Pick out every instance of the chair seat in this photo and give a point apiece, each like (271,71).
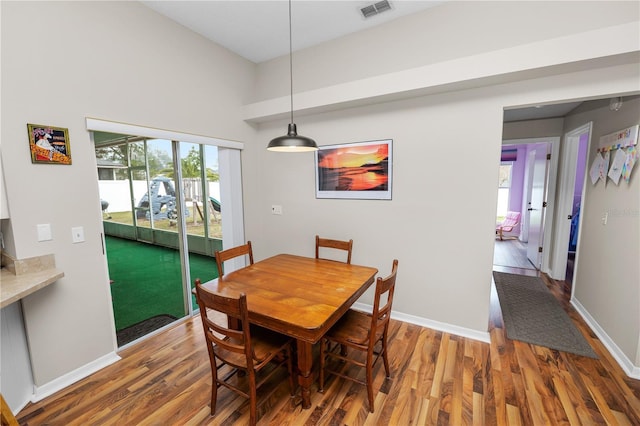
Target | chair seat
(264,343)
(352,328)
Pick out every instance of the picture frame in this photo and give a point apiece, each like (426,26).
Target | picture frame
(49,144)
(359,170)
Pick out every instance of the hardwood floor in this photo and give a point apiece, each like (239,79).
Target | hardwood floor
(511,253)
(437,379)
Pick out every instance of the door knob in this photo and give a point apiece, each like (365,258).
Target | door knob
(569,217)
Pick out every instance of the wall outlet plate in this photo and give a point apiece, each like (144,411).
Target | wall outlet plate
(77,234)
(44,232)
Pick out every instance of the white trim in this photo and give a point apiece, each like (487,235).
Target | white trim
(565,200)
(41,392)
(633,371)
(434,325)
(97,124)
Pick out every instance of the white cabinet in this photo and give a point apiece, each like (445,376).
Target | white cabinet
(4,207)
(15,366)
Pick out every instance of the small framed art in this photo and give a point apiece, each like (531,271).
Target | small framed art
(360,170)
(48,144)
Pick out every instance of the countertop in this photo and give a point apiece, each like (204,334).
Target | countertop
(15,287)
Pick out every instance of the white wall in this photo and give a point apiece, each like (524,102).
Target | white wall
(450,31)
(62,62)
(607,277)
(440,223)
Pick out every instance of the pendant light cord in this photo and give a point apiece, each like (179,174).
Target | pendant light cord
(290,62)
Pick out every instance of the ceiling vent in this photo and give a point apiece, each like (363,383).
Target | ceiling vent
(375,8)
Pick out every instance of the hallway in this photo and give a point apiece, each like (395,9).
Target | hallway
(511,256)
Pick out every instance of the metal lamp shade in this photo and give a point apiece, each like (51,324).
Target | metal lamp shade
(292,142)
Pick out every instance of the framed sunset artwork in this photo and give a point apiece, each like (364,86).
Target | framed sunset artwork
(361,170)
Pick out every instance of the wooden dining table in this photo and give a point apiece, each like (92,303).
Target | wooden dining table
(297,296)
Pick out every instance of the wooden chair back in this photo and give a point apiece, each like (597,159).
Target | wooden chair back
(382,303)
(224,255)
(334,244)
(229,343)
(245,349)
(361,332)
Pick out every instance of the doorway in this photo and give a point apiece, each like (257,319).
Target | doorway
(533,163)
(570,202)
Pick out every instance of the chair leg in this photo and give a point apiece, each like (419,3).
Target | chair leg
(214,393)
(253,403)
(385,359)
(370,380)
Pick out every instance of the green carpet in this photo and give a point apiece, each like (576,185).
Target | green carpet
(146,280)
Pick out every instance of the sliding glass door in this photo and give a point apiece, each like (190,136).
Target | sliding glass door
(162,225)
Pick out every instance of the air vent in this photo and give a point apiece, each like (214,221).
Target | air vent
(376,8)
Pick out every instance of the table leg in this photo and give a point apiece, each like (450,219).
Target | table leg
(305,378)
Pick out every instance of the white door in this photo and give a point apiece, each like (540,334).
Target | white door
(536,208)
(565,200)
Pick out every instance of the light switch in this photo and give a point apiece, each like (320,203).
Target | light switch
(44,232)
(77,234)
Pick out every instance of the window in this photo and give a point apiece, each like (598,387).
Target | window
(504,186)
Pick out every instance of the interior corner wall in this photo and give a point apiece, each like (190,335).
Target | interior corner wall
(116,61)
(441,214)
(607,278)
(440,223)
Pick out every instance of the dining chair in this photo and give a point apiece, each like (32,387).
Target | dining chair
(224,255)
(245,352)
(359,331)
(334,244)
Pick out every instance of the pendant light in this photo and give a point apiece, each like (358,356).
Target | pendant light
(292,141)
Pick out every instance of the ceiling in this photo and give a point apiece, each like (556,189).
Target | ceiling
(540,112)
(259,31)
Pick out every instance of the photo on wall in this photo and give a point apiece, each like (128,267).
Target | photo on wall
(49,144)
(360,170)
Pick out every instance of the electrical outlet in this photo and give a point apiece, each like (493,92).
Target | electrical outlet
(275,209)
(605,218)
(44,232)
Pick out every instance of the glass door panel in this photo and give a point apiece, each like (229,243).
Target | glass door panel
(145,265)
(114,184)
(196,179)
(153,254)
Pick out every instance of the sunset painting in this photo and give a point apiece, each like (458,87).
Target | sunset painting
(358,170)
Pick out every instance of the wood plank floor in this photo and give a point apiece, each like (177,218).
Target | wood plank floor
(437,379)
(511,253)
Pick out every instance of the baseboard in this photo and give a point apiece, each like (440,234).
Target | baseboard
(627,365)
(41,392)
(435,325)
